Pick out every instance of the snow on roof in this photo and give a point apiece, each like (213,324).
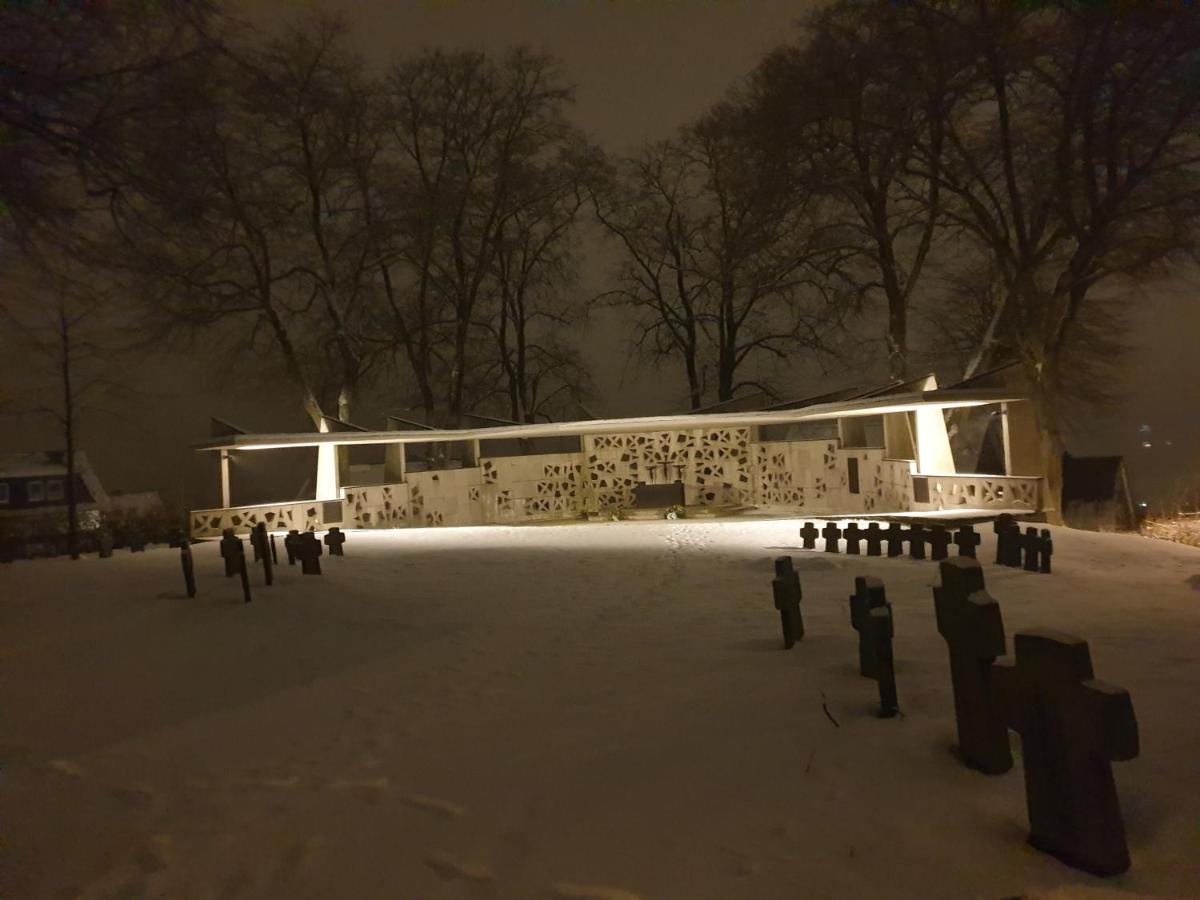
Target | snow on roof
(33,464)
(868,406)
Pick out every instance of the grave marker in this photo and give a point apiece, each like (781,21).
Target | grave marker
(970,622)
(308,551)
(916,540)
(786,588)
(189,568)
(334,541)
(242,570)
(1000,525)
(966,539)
(939,543)
(874,539)
(231,549)
(1047,551)
(262,550)
(881,636)
(1072,727)
(1031,545)
(808,536)
(290,544)
(853,535)
(868,594)
(896,536)
(831,533)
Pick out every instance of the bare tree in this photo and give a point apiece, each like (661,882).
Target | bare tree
(467,131)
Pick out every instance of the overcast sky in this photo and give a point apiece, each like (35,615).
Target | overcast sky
(641,69)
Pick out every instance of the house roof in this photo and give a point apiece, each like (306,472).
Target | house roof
(863,406)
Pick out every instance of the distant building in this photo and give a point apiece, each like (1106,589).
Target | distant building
(33,494)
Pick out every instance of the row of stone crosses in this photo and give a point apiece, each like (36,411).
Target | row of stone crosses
(1031,550)
(300,546)
(1072,725)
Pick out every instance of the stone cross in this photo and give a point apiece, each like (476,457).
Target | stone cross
(967,540)
(874,539)
(853,535)
(1031,545)
(939,543)
(885,669)
(868,594)
(263,552)
(274,552)
(256,542)
(831,533)
(291,546)
(334,540)
(896,535)
(1072,727)
(308,551)
(808,536)
(916,541)
(189,568)
(1000,526)
(106,543)
(786,587)
(1047,551)
(970,622)
(241,564)
(231,549)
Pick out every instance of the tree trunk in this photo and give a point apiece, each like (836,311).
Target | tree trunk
(1045,411)
(69,437)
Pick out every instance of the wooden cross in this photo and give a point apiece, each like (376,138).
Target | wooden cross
(869,594)
(808,536)
(831,533)
(1031,545)
(881,633)
(262,552)
(939,542)
(1072,727)
(966,539)
(291,545)
(1000,526)
(786,588)
(334,540)
(1047,551)
(969,620)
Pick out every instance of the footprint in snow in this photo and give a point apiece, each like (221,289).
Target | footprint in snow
(451,868)
(432,804)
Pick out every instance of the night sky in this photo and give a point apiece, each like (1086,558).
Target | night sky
(641,69)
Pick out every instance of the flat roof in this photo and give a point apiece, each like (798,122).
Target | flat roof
(869,406)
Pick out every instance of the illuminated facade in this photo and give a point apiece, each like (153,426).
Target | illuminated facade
(885,452)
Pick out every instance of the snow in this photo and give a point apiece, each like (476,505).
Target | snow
(594,711)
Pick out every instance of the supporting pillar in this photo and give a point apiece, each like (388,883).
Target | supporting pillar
(225,502)
(327,469)
(1006,439)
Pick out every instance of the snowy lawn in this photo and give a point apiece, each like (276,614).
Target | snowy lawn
(579,711)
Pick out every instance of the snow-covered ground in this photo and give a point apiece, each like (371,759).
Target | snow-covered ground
(580,711)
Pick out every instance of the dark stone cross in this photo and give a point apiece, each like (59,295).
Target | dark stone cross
(334,540)
(967,540)
(245,577)
(274,552)
(885,669)
(868,594)
(831,533)
(970,622)
(290,545)
(1047,551)
(189,568)
(896,536)
(1000,526)
(231,550)
(106,543)
(916,541)
(262,548)
(256,542)
(853,535)
(808,536)
(1072,727)
(939,543)
(786,587)
(874,539)
(308,551)
(1031,546)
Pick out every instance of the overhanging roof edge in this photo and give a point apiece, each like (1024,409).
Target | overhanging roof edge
(943,399)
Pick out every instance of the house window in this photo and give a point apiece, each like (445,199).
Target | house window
(852,471)
(35,491)
(54,490)
(4,492)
